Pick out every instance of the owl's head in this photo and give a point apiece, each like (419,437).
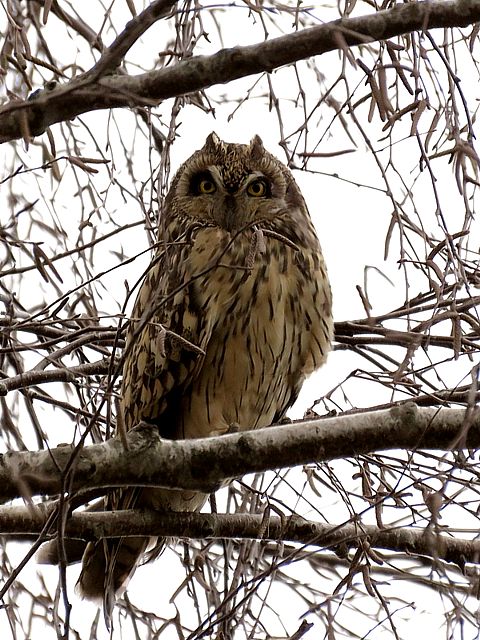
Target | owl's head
(233,186)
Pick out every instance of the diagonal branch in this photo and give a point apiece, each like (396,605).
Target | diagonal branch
(87,93)
(113,56)
(204,464)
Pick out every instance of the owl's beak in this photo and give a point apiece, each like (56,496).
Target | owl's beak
(230,215)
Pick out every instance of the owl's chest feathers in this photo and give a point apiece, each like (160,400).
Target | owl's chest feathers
(259,307)
(241,275)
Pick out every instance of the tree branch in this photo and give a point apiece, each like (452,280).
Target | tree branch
(61,374)
(26,521)
(88,93)
(112,57)
(204,464)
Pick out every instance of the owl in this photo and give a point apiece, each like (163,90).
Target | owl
(234,313)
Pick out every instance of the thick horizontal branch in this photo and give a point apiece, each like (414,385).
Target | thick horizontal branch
(88,92)
(203,464)
(21,521)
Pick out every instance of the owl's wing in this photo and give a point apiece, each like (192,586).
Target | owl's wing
(165,343)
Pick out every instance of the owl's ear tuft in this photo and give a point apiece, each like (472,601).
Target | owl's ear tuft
(212,142)
(256,148)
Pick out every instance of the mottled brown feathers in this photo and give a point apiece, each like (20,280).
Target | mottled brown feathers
(233,314)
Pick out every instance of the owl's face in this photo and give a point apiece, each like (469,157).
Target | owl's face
(233,186)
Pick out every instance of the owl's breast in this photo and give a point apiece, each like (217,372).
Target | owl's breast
(268,311)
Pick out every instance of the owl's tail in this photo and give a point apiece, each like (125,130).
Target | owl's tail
(107,566)
(108,563)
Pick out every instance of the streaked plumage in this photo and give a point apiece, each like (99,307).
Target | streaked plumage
(233,314)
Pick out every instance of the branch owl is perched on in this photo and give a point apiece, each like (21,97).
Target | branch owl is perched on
(234,313)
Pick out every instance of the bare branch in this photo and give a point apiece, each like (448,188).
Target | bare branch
(86,93)
(21,521)
(62,374)
(112,57)
(204,464)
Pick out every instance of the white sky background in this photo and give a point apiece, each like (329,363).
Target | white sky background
(351,222)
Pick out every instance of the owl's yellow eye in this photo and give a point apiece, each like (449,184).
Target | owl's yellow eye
(257,188)
(203,184)
(206,186)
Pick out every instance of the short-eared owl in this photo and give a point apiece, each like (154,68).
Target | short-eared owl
(233,314)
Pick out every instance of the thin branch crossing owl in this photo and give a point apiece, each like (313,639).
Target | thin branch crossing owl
(233,314)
